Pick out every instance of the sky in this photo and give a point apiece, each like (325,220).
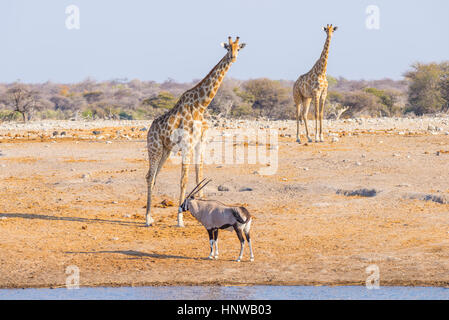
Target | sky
(180,40)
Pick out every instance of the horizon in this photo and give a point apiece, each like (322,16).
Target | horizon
(193,81)
(155,42)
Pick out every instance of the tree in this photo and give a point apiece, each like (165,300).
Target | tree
(360,102)
(225,99)
(93,96)
(444,85)
(335,110)
(424,93)
(388,99)
(61,102)
(270,98)
(164,100)
(331,81)
(20,98)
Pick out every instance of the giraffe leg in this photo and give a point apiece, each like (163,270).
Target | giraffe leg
(305,111)
(164,158)
(155,154)
(150,184)
(322,103)
(298,116)
(184,179)
(199,158)
(317,115)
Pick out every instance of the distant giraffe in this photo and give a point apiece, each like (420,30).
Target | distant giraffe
(313,86)
(186,117)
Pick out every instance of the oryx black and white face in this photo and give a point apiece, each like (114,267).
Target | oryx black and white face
(184,206)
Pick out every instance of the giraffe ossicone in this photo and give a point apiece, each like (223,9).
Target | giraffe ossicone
(188,117)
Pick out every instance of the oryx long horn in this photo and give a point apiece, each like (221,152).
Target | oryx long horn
(202,187)
(196,187)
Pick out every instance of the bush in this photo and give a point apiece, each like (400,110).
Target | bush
(270,97)
(87,114)
(426,90)
(52,114)
(164,100)
(125,116)
(361,103)
(8,115)
(425,94)
(93,96)
(388,99)
(242,110)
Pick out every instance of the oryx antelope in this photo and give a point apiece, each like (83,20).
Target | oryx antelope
(215,215)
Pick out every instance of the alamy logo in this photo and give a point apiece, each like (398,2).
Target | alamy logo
(73,279)
(372,21)
(72,22)
(239,146)
(372,282)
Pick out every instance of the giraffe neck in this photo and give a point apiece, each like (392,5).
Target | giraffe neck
(205,91)
(320,66)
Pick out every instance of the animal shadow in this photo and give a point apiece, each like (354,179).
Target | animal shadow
(139,254)
(33,216)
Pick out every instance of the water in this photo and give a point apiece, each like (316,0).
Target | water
(228,293)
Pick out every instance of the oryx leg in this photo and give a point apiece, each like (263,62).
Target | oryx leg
(216,243)
(242,241)
(211,242)
(248,238)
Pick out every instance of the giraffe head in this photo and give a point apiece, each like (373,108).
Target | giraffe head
(233,47)
(330,29)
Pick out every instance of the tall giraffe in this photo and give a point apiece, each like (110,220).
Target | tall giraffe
(185,125)
(313,86)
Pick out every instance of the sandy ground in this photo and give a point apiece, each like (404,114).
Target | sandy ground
(376,192)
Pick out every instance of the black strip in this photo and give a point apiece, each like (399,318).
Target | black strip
(227,309)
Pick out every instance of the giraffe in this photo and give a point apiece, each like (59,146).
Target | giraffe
(185,125)
(313,86)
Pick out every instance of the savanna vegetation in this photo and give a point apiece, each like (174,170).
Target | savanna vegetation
(424,90)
